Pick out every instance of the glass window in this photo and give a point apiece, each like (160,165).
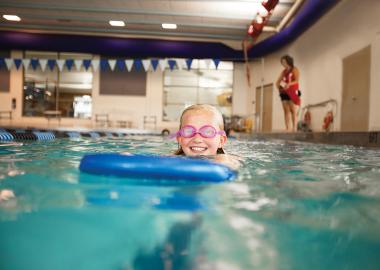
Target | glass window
(201,84)
(57,90)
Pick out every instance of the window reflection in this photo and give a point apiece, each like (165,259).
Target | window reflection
(55,90)
(201,84)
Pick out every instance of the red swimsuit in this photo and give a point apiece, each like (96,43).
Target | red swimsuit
(292,91)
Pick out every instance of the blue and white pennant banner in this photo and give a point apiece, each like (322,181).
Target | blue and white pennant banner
(104,64)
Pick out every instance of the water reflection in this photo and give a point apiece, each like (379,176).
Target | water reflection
(8,166)
(7,199)
(175,252)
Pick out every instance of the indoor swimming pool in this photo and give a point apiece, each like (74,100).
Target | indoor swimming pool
(292,206)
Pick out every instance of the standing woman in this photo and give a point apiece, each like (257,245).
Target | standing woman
(288,86)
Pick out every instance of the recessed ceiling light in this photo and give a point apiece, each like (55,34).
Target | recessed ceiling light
(169,26)
(117,23)
(12,18)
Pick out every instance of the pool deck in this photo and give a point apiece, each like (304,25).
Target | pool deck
(364,139)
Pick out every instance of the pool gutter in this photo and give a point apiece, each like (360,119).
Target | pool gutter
(364,139)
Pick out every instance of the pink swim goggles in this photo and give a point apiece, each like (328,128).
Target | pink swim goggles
(206,131)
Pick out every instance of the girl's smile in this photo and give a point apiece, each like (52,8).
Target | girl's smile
(198,144)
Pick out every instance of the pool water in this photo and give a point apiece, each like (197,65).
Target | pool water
(292,206)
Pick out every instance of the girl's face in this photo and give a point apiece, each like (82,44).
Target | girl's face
(284,63)
(197,145)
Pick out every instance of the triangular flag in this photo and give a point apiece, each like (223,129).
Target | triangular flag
(112,63)
(188,63)
(154,63)
(9,63)
(95,64)
(146,64)
(26,63)
(34,63)
(60,64)
(162,63)
(51,63)
(172,64)
(86,63)
(104,64)
(138,64)
(43,63)
(18,63)
(120,64)
(216,63)
(78,64)
(181,63)
(69,64)
(129,64)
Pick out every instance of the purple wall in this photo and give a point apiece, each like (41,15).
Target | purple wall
(310,12)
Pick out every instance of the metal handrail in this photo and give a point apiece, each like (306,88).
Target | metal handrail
(320,104)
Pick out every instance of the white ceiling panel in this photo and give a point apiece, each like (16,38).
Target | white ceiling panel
(208,19)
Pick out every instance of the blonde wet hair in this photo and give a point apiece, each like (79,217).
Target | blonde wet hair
(202,108)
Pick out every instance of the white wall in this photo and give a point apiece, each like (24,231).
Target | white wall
(267,72)
(374,109)
(133,108)
(240,91)
(263,71)
(319,52)
(347,28)
(118,107)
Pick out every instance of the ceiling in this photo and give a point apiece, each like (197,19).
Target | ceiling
(217,20)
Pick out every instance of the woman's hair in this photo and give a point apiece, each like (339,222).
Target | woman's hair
(201,108)
(289,60)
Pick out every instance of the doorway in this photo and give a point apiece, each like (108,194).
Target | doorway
(264,99)
(355,94)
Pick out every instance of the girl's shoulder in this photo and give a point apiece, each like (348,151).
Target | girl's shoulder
(232,161)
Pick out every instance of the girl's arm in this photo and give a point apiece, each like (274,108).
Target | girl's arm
(230,161)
